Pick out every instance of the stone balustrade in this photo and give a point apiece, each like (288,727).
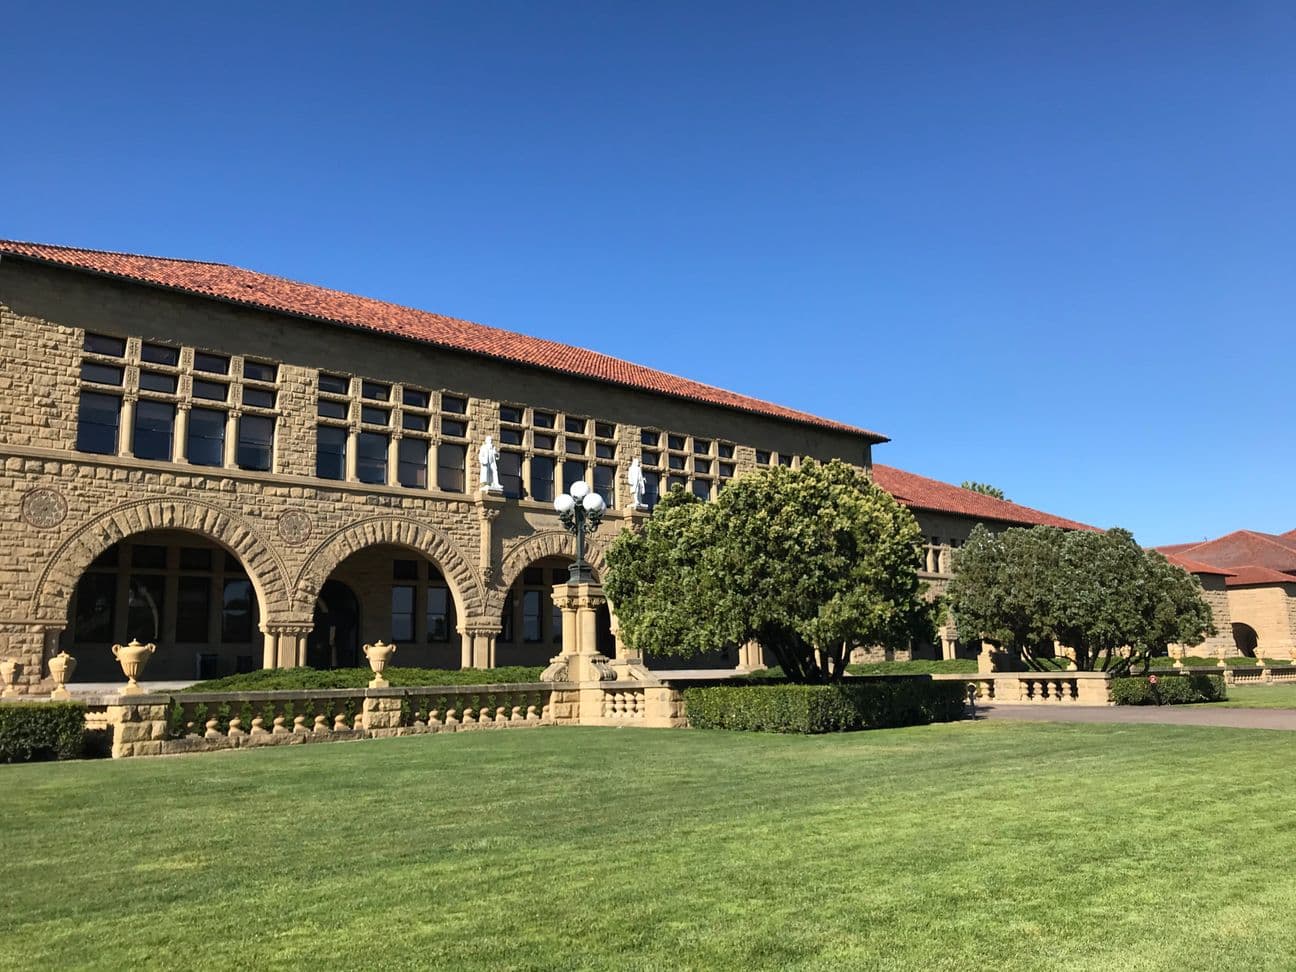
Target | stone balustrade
(1030,688)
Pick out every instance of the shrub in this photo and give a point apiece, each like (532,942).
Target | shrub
(41,730)
(918,666)
(1168,690)
(876,704)
(272,679)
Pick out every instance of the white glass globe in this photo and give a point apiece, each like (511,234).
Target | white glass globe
(579,489)
(564,504)
(593,503)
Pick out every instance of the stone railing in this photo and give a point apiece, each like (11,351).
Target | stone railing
(1259,675)
(1031,688)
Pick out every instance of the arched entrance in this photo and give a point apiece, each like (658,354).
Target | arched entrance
(335,640)
(530,624)
(1245,639)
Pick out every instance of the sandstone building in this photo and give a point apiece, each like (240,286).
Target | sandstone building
(252,472)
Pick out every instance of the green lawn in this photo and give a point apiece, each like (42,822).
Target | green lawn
(964,846)
(1280,696)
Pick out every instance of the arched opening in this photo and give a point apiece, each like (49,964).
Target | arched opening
(179,590)
(1245,639)
(530,624)
(389,592)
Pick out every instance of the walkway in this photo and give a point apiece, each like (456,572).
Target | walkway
(1167,715)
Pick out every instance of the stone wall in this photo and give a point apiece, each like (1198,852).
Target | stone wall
(1271,611)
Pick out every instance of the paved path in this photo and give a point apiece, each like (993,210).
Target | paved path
(1168,715)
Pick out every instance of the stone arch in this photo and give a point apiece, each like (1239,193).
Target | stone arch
(398,531)
(549,543)
(63,571)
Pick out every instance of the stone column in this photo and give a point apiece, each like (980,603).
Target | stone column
(751,656)
(285,644)
(579,660)
(231,438)
(126,436)
(181,441)
(479,644)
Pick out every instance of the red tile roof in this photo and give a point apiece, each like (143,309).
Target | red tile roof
(922,493)
(252,289)
(1243,548)
(1254,574)
(1193,566)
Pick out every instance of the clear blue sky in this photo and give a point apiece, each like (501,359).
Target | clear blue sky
(1051,246)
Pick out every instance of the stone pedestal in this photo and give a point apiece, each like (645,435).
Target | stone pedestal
(579,660)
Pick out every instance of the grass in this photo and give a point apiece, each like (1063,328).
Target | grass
(944,848)
(1281,696)
(917,667)
(1237,661)
(267,679)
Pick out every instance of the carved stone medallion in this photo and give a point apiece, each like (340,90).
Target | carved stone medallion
(295,528)
(44,508)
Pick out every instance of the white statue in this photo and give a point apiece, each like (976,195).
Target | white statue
(488,459)
(638,485)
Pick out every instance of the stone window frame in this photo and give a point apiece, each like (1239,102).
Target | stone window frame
(424,581)
(597,432)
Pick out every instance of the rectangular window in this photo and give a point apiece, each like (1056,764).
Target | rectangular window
(604,483)
(450,467)
(160,354)
(158,382)
(330,452)
(193,610)
(506,621)
(510,474)
(511,414)
(405,569)
(375,391)
(258,397)
(102,344)
(334,384)
(371,458)
(605,430)
(675,442)
(412,463)
(214,364)
(260,371)
(402,613)
(255,442)
(510,436)
(331,409)
(206,445)
(542,479)
(454,427)
(726,450)
(195,558)
(573,472)
(676,482)
(154,422)
(702,489)
(651,458)
(101,374)
(702,447)
(784,460)
(96,608)
(148,556)
(415,398)
(604,450)
(98,418)
(650,438)
(438,614)
(575,447)
(575,425)
(145,607)
(762,458)
(555,623)
(414,423)
(455,404)
(371,415)
(213,391)
(652,488)
(542,440)
(677,462)
(543,420)
(531,618)
(237,610)
(702,466)
(726,470)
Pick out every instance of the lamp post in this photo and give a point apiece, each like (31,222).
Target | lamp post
(581,511)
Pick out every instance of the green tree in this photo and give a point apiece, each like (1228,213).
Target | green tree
(985,488)
(810,563)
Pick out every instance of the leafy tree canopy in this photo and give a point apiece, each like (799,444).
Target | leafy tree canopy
(985,488)
(809,562)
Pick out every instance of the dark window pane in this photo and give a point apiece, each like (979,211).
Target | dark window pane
(605,430)
(506,621)
(160,354)
(726,450)
(575,447)
(96,608)
(542,479)
(454,427)
(652,489)
(726,469)
(411,462)
(331,409)
(533,576)
(101,374)
(510,474)
(510,413)
(415,398)
(97,419)
(560,575)
(158,382)
(573,472)
(555,623)
(193,610)
(259,371)
(402,613)
(238,611)
(375,416)
(148,556)
(375,391)
(510,436)
(215,364)
(102,344)
(531,603)
(258,397)
(109,558)
(651,458)
(153,424)
(762,458)
(438,614)
(543,420)
(576,425)
(195,558)
(371,457)
(604,478)
(455,404)
(334,384)
(785,460)
(702,488)
(206,445)
(604,450)
(233,565)
(649,438)
(702,466)
(330,452)
(450,467)
(405,569)
(677,462)
(675,441)
(213,391)
(702,447)
(676,482)
(542,440)
(145,607)
(255,442)
(415,423)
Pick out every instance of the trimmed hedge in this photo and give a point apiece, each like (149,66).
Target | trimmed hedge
(273,679)
(1168,690)
(876,704)
(41,730)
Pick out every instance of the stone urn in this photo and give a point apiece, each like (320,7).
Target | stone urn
(9,676)
(378,656)
(61,667)
(133,658)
